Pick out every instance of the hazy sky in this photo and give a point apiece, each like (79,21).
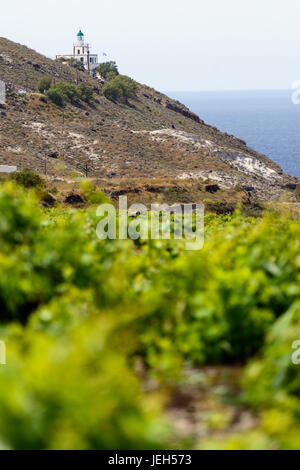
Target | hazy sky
(171,44)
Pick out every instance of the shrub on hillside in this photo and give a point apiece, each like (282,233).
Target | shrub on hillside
(91,194)
(62,93)
(108,70)
(44,84)
(120,88)
(28,178)
(110,76)
(69,91)
(56,96)
(86,92)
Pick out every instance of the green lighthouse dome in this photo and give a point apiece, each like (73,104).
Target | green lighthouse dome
(80,34)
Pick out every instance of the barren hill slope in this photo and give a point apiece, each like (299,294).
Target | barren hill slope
(154,137)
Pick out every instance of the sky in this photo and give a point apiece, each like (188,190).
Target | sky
(171,45)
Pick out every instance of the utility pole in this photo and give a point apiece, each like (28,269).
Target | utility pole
(88,56)
(86,169)
(45,165)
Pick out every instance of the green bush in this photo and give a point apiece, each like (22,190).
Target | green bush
(108,70)
(272,384)
(69,339)
(62,93)
(120,88)
(209,306)
(44,84)
(90,193)
(110,76)
(73,391)
(86,92)
(217,304)
(28,178)
(69,91)
(20,219)
(92,308)
(56,96)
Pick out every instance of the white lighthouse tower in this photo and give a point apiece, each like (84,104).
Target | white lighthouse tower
(80,47)
(81,52)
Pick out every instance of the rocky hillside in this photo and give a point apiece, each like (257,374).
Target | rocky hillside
(153,137)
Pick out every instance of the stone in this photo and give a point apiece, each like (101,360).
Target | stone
(73,198)
(212,188)
(53,154)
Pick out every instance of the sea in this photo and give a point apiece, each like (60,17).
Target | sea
(266,119)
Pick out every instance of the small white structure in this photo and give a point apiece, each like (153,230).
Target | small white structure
(7,169)
(81,52)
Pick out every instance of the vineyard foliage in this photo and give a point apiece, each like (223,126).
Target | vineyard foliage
(77,313)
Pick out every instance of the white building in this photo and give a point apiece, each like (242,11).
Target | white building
(81,52)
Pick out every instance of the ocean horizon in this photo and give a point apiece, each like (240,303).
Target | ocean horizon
(267,120)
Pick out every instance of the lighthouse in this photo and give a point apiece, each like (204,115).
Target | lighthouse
(81,53)
(80,48)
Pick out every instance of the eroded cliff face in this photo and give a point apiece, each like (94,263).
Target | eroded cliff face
(154,137)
